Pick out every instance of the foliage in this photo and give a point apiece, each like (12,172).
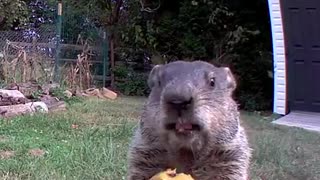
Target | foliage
(255,86)
(41,12)
(220,32)
(77,20)
(59,92)
(201,30)
(21,14)
(13,14)
(133,83)
(225,33)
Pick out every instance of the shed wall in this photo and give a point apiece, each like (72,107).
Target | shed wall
(279,59)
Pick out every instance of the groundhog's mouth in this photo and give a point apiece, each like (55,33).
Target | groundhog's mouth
(182,127)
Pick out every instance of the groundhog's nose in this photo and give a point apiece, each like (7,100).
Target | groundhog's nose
(180,103)
(178,96)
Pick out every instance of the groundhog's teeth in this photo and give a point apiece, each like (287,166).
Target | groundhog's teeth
(182,127)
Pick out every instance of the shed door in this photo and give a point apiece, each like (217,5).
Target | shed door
(301,21)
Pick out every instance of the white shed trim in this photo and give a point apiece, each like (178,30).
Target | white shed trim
(279,58)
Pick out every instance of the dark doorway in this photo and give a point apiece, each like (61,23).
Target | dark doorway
(301,21)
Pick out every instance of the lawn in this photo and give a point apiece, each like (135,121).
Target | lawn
(90,141)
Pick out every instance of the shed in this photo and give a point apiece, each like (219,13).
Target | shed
(296,55)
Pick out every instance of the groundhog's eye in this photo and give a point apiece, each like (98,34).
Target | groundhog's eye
(212,81)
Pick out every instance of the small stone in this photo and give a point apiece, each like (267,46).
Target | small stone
(68,93)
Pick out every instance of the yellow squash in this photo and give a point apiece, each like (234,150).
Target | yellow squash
(171,175)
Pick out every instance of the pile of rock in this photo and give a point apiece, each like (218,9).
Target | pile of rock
(29,98)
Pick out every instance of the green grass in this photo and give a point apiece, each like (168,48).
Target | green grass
(97,148)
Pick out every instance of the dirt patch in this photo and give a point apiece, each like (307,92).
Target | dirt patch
(37,152)
(6,154)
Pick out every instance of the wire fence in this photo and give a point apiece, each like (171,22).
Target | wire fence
(26,54)
(56,51)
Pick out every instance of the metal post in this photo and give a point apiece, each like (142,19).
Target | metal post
(58,37)
(105,57)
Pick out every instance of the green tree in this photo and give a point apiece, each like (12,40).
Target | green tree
(13,14)
(221,32)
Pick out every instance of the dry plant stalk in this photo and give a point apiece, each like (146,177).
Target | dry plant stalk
(79,75)
(23,67)
(9,66)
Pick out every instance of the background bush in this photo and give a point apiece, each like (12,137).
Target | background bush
(225,33)
(148,32)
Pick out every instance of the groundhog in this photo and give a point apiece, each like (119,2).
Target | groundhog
(190,122)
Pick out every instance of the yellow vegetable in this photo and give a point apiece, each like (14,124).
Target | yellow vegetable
(171,175)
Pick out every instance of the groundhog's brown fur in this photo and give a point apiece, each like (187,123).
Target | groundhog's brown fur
(185,93)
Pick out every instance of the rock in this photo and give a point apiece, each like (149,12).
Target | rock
(93,92)
(48,88)
(78,93)
(104,93)
(12,97)
(23,109)
(59,106)
(11,93)
(38,107)
(109,94)
(68,93)
(53,103)
(27,89)
(48,99)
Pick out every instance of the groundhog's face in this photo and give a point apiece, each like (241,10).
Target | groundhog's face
(195,108)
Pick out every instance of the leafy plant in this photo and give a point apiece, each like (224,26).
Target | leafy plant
(132,83)
(221,32)
(13,14)
(142,33)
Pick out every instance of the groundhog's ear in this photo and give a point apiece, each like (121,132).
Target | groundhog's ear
(230,81)
(154,76)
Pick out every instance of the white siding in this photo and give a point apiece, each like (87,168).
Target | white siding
(279,61)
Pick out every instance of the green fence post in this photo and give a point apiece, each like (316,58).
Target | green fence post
(58,36)
(105,57)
